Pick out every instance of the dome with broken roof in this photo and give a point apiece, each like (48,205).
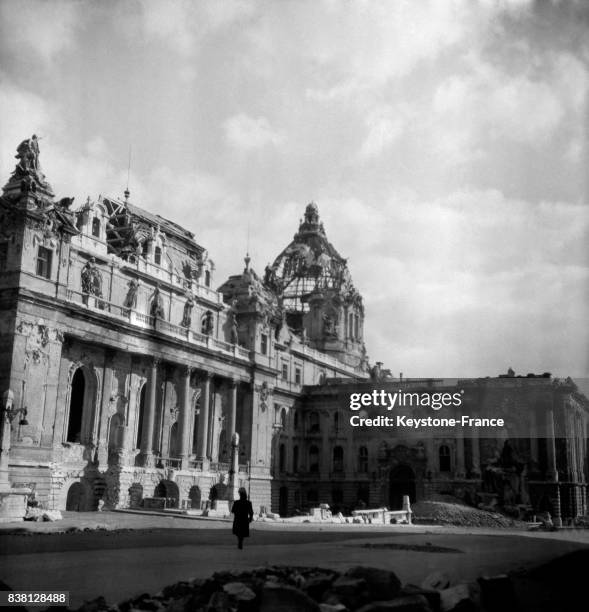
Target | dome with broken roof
(310,263)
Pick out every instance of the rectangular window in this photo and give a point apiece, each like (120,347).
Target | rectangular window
(284,371)
(264,344)
(3,256)
(298,377)
(44,257)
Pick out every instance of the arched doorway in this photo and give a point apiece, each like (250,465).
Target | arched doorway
(76,411)
(283,501)
(169,490)
(402,482)
(194,495)
(76,498)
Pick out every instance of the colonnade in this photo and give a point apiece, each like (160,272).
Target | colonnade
(204,442)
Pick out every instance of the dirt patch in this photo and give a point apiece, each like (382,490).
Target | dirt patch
(459,514)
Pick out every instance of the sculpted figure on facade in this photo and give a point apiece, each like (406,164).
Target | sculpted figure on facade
(233,332)
(329,324)
(187,314)
(131,297)
(91,279)
(157,304)
(208,323)
(27,153)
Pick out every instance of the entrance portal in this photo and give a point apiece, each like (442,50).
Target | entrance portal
(169,490)
(402,482)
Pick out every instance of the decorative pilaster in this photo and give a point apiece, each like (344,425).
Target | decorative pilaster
(203,422)
(232,426)
(149,418)
(184,417)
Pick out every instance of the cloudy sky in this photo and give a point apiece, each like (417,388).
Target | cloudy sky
(445,143)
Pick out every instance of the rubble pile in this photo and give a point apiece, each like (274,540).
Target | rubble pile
(453,513)
(311,589)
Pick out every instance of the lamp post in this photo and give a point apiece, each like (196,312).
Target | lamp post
(234,469)
(7,415)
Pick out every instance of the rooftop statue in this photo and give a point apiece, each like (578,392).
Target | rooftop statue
(27,153)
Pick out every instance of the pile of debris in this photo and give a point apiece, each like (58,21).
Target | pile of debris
(457,513)
(306,589)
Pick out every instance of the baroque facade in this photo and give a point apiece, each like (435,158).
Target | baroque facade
(133,374)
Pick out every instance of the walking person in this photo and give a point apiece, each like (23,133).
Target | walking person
(243,516)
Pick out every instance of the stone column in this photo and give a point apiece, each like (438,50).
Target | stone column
(460,469)
(184,417)
(5,425)
(232,425)
(203,420)
(149,416)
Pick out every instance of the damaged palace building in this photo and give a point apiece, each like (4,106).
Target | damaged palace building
(125,374)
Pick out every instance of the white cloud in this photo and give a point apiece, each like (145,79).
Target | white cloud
(247,133)
(385,126)
(182,24)
(472,278)
(45,28)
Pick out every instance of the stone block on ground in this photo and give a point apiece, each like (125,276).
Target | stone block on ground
(352,592)
(316,586)
(432,596)
(52,515)
(239,591)
(459,598)
(436,580)
(382,584)
(283,598)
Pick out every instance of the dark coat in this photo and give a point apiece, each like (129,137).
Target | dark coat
(244,514)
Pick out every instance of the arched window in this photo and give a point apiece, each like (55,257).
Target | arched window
(295,459)
(144,249)
(351,325)
(336,421)
(96,227)
(356,327)
(207,278)
(281,458)
(313,422)
(444,454)
(338,459)
(283,418)
(363,459)
(157,256)
(77,394)
(313,459)
(140,416)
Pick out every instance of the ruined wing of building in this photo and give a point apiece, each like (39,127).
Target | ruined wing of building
(125,375)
